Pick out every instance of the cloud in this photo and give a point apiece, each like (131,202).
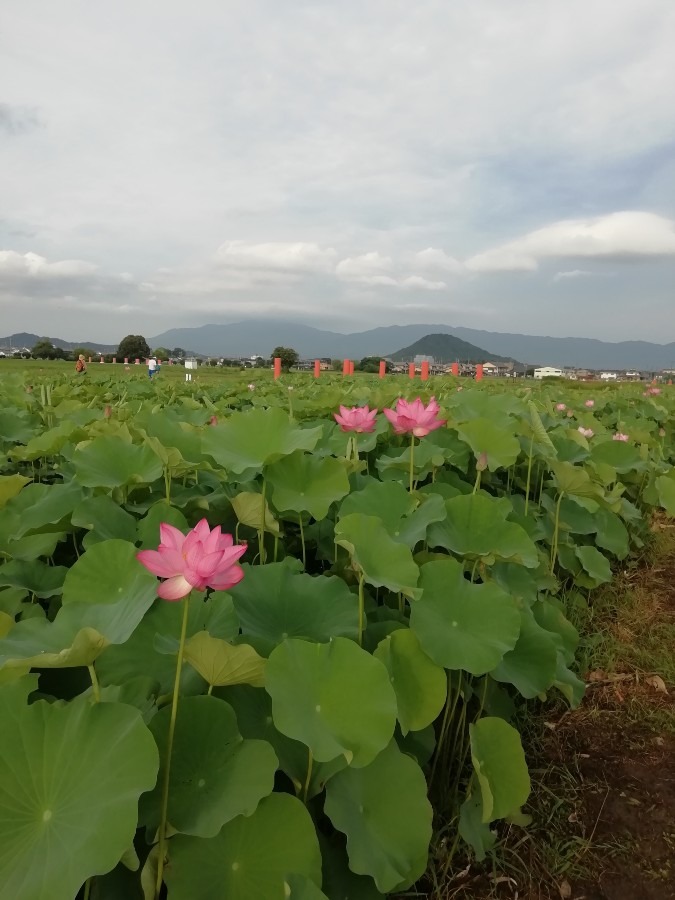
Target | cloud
(15,120)
(629,235)
(434,259)
(369,268)
(416,281)
(289,257)
(572,274)
(17,266)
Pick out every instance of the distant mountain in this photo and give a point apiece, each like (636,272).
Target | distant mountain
(260,336)
(445,348)
(24,339)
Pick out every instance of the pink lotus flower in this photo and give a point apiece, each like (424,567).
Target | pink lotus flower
(107,412)
(587,432)
(590,403)
(570,413)
(251,387)
(652,392)
(620,437)
(213,420)
(662,432)
(200,559)
(561,407)
(415,418)
(360,419)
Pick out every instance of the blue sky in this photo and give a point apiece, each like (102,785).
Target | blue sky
(499,166)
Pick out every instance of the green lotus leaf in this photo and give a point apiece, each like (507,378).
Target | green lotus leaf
(176,435)
(531,666)
(108,572)
(473,829)
(254,717)
(499,763)
(104,519)
(50,442)
(138,655)
(463,625)
(575,480)
(305,483)
(148,527)
(384,811)
(665,487)
(17,426)
(110,462)
(251,858)
(406,517)
(476,526)
(420,684)
(10,486)
(612,534)
(248,507)
(594,563)
(498,442)
(383,561)
(335,698)
(215,774)
(68,821)
(35,576)
(277,601)
(254,439)
(301,888)
(569,684)
(40,508)
(221,663)
(621,456)
(339,882)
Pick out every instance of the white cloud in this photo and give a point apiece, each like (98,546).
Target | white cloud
(572,274)
(31,266)
(291,257)
(435,259)
(424,284)
(625,235)
(369,268)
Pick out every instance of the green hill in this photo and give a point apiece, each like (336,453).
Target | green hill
(445,348)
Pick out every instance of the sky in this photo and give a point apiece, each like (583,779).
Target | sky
(505,166)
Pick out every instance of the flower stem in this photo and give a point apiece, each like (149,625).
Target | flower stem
(302,541)
(310,762)
(96,690)
(361,609)
(556,529)
(169,748)
(529,475)
(261,531)
(412,462)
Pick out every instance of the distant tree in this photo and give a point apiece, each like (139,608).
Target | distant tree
(44,349)
(84,351)
(133,346)
(336,365)
(261,363)
(178,352)
(161,353)
(372,364)
(287,355)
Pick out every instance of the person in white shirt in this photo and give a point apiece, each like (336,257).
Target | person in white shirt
(152,366)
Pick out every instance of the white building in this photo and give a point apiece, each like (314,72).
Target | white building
(608,376)
(548,372)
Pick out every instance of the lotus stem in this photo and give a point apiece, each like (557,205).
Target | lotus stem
(529,474)
(95,687)
(169,749)
(261,530)
(302,541)
(451,699)
(554,543)
(310,763)
(476,484)
(361,609)
(412,463)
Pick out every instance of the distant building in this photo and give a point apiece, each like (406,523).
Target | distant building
(420,358)
(548,372)
(608,376)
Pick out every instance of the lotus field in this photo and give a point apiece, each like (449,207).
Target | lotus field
(259,641)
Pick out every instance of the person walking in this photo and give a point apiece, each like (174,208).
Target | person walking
(152,366)
(80,365)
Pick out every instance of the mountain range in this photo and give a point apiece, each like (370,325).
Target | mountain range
(445,348)
(260,336)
